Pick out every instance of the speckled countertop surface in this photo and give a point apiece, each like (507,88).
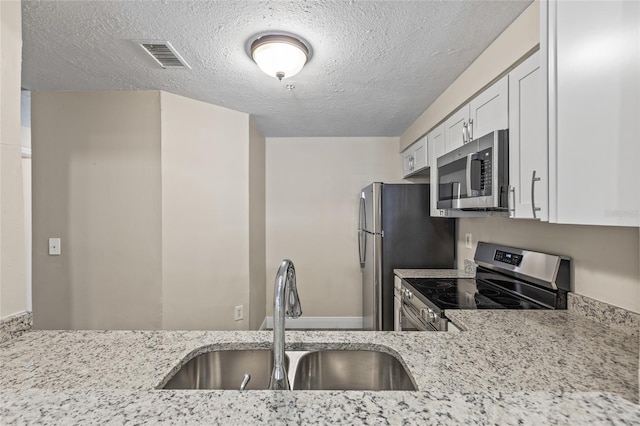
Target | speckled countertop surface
(508,367)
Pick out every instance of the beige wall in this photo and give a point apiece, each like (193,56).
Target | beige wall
(257,242)
(205,214)
(96,185)
(312,214)
(13,291)
(522,36)
(605,258)
(154,200)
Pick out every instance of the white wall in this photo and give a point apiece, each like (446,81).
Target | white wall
(604,258)
(13,289)
(205,214)
(312,214)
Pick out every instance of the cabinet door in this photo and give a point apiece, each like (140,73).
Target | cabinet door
(594,105)
(420,155)
(436,148)
(407,161)
(454,128)
(489,110)
(528,153)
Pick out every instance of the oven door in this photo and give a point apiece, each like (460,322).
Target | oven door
(410,319)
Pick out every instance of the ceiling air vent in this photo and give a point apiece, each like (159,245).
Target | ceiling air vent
(164,54)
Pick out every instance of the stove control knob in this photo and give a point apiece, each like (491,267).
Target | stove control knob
(428,314)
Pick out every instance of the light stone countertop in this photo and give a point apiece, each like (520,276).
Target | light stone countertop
(509,367)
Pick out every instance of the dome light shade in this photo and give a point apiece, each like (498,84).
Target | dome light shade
(279,56)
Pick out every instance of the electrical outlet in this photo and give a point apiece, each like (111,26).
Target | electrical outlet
(468,241)
(238,313)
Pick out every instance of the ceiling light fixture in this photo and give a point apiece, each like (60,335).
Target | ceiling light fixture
(280,55)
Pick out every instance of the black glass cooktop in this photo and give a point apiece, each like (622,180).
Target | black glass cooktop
(468,293)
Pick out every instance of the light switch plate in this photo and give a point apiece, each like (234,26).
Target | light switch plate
(54,246)
(468,241)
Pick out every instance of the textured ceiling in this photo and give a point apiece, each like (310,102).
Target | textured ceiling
(376,65)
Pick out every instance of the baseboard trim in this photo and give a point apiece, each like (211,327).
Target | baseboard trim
(317,322)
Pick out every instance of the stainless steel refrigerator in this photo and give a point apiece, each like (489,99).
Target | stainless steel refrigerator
(396,231)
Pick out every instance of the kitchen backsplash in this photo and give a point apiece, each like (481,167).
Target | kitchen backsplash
(604,313)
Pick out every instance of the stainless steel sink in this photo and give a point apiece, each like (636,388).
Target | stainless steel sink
(351,370)
(225,370)
(318,370)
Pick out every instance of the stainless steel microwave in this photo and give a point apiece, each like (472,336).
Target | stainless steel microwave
(476,176)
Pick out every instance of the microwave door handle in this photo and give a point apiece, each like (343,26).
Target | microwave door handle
(469,159)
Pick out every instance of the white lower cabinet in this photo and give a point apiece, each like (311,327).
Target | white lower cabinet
(528,149)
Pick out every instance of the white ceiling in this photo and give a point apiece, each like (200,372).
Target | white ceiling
(376,65)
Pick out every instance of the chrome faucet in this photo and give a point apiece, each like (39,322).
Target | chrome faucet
(285,302)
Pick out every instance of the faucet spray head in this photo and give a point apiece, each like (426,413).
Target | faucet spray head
(293,309)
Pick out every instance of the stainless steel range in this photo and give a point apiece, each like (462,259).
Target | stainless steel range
(506,278)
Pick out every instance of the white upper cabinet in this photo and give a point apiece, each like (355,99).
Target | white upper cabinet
(485,113)
(528,154)
(436,146)
(415,158)
(455,129)
(420,154)
(593,55)
(489,110)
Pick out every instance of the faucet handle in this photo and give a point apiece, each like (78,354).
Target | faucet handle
(245,381)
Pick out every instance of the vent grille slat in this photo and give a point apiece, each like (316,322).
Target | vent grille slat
(164,54)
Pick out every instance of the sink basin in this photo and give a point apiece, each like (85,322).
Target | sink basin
(351,370)
(318,370)
(225,369)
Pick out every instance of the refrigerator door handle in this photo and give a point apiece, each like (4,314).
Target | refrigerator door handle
(362,216)
(362,247)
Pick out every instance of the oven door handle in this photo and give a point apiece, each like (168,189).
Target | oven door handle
(414,319)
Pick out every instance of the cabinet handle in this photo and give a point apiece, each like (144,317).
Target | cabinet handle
(464,133)
(470,130)
(511,201)
(411,163)
(534,209)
